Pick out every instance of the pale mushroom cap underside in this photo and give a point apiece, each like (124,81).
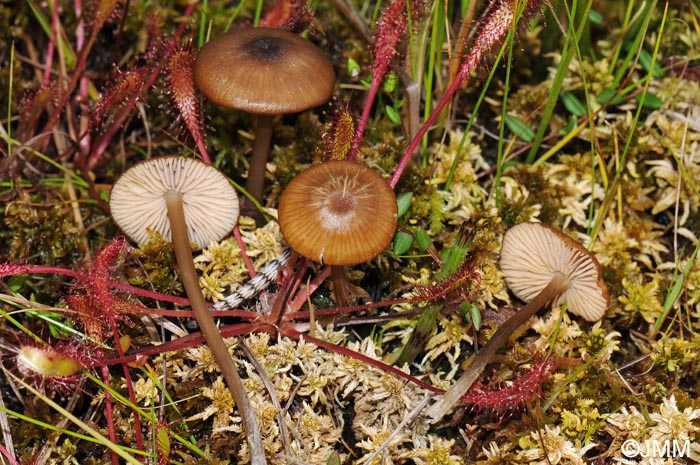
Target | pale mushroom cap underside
(264,71)
(532,254)
(338,213)
(210,202)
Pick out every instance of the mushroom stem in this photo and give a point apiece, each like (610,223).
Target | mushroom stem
(188,273)
(341,286)
(258,160)
(344,292)
(556,287)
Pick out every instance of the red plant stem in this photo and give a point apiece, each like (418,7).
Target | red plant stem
(303,295)
(407,154)
(129,388)
(80,27)
(45,269)
(281,302)
(109,414)
(116,124)
(364,358)
(52,44)
(244,254)
(68,90)
(8,455)
(345,310)
(184,24)
(184,342)
(151,294)
(362,124)
(202,147)
(245,314)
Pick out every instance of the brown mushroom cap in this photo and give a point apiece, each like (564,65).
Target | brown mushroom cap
(533,253)
(338,213)
(264,71)
(210,202)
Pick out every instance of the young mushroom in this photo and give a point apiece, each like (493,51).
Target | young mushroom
(266,72)
(540,265)
(186,201)
(338,213)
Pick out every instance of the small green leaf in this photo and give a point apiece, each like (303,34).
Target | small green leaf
(353,68)
(390,83)
(476,316)
(519,128)
(573,104)
(423,240)
(392,114)
(595,17)
(608,94)
(651,101)
(16,282)
(404,201)
(471,313)
(645,59)
(402,242)
(333,459)
(570,125)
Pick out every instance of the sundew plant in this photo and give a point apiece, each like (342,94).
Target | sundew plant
(477,116)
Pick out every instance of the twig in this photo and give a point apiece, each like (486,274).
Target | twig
(408,418)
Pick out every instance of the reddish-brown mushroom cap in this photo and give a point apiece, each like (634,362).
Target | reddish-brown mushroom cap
(338,213)
(532,254)
(138,199)
(264,71)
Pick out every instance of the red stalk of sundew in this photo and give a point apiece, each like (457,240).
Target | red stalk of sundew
(9,457)
(244,254)
(109,415)
(370,361)
(190,340)
(9,269)
(391,28)
(493,26)
(46,80)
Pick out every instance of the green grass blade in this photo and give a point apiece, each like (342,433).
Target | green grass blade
(96,436)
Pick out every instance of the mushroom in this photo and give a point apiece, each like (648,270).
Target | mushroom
(266,72)
(186,200)
(540,265)
(338,213)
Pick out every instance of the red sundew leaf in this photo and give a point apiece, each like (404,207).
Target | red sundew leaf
(338,137)
(11,269)
(504,398)
(122,94)
(179,68)
(94,297)
(290,15)
(464,274)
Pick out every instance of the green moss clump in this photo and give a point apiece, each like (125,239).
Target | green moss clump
(44,232)
(157,268)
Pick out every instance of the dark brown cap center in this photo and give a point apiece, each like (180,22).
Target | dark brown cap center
(265,49)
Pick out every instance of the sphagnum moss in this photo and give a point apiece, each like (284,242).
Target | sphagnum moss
(644,239)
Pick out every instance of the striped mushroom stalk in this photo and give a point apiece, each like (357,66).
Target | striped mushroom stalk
(338,213)
(186,201)
(540,265)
